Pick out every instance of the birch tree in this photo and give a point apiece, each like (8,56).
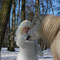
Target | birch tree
(11,48)
(37,7)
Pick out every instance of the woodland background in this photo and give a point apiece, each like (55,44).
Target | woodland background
(12,12)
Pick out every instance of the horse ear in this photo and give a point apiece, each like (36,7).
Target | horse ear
(39,16)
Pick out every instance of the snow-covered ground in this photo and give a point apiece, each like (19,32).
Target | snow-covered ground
(8,55)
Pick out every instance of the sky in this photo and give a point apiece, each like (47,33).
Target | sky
(55,4)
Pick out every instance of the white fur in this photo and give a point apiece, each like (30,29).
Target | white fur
(48,28)
(28,48)
(34,31)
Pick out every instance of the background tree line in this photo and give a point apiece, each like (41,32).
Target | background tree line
(12,12)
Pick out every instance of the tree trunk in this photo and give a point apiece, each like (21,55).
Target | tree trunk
(11,43)
(4,18)
(8,35)
(23,10)
(47,8)
(42,7)
(37,7)
(51,7)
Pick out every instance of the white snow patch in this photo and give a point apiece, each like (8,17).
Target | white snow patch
(8,55)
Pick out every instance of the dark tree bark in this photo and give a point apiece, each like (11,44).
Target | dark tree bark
(11,43)
(23,10)
(4,18)
(47,8)
(42,7)
(37,7)
(51,7)
(8,35)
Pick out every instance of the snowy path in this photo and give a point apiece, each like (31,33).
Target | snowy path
(7,55)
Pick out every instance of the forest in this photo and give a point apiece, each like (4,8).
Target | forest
(12,12)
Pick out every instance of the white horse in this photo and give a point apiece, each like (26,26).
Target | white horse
(47,28)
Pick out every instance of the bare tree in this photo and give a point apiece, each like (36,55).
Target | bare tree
(11,43)
(42,7)
(8,35)
(51,7)
(4,18)
(37,7)
(23,10)
(47,7)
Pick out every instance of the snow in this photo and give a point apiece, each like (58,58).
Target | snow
(8,55)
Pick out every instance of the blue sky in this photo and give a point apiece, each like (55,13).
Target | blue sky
(55,4)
